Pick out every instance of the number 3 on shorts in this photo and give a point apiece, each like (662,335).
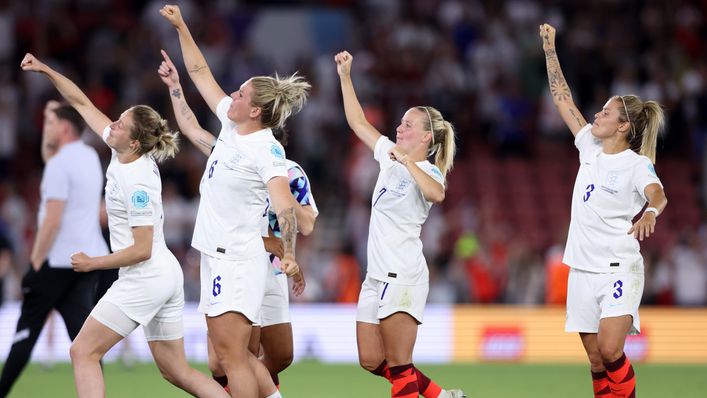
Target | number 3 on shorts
(217,286)
(619,292)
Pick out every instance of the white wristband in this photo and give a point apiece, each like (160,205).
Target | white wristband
(652,210)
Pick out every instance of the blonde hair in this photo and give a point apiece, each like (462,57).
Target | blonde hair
(647,121)
(153,134)
(442,145)
(279,98)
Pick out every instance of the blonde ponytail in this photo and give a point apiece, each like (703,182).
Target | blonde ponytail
(153,134)
(442,145)
(647,120)
(279,98)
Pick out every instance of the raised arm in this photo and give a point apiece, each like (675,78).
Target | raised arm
(95,119)
(186,120)
(560,90)
(194,60)
(354,113)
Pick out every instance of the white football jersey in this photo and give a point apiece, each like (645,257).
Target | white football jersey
(234,191)
(75,176)
(398,211)
(133,199)
(608,193)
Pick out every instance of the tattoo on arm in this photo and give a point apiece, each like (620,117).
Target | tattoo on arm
(559,88)
(207,145)
(288,229)
(578,118)
(177,93)
(186,111)
(197,68)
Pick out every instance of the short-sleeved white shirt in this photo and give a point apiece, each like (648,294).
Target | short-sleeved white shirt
(302,192)
(608,193)
(398,211)
(234,190)
(133,199)
(75,176)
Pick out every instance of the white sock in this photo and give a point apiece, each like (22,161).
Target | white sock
(276,394)
(442,394)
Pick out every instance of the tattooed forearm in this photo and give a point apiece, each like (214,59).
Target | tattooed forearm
(177,93)
(205,144)
(558,85)
(578,118)
(186,111)
(197,68)
(288,229)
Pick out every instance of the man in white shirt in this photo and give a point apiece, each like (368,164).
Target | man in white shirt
(68,222)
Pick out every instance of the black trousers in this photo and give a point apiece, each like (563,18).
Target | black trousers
(71,293)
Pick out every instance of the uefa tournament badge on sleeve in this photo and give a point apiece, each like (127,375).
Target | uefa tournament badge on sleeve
(140,200)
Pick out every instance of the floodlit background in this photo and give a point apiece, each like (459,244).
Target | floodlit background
(494,247)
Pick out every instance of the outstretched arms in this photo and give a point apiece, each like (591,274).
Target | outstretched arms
(95,119)
(186,120)
(560,90)
(194,60)
(354,113)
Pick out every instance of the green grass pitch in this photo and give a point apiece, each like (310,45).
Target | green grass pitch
(315,380)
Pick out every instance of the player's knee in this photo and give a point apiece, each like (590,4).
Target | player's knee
(610,352)
(75,351)
(369,363)
(176,375)
(170,376)
(214,365)
(595,360)
(283,360)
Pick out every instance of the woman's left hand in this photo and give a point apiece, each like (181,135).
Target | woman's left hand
(81,262)
(298,283)
(644,227)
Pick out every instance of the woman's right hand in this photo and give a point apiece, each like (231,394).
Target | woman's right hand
(343,63)
(32,64)
(167,71)
(547,34)
(172,14)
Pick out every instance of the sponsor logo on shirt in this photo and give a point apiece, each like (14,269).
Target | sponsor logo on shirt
(140,199)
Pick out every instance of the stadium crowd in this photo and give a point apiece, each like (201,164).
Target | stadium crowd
(499,236)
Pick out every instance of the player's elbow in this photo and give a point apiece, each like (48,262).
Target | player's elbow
(306,225)
(436,196)
(143,252)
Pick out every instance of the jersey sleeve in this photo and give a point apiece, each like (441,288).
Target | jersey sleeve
(585,142)
(301,189)
(270,161)
(140,195)
(434,172)
(222,113)
(56,179)
(644,174)
(106,131)
(380,151)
